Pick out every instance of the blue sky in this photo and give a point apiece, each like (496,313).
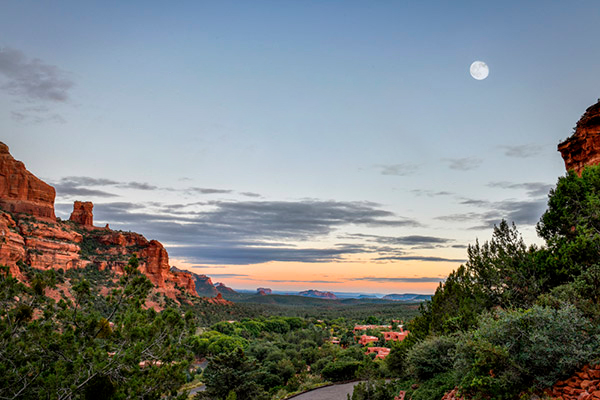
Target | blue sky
(300,144)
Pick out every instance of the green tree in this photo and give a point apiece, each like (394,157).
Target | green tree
(571,224)
(69,350)
(231,372)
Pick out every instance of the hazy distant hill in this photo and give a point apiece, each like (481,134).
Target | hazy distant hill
(318,294)
(407,297)
(295,300)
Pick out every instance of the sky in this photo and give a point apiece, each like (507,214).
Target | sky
(330,145)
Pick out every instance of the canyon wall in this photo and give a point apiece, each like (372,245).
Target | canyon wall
(583,147)
(30,233)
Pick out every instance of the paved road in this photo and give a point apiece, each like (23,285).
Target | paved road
(335,392)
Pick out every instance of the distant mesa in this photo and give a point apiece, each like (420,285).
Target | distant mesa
(318,294)
(411,297)
(263,291)
(583,147)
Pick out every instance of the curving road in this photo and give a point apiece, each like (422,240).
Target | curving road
(335,392)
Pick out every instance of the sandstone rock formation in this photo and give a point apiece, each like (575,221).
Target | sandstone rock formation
(263,291)
(82,213)
(30,233)
(203,284)
(218,300)
(21,191)
(452,395)
(583,147)
(223,289)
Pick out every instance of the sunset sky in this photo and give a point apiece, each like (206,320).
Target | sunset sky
(332,145)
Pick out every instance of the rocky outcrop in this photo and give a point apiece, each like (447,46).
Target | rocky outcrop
(583,385)
(21,191)
(223,289)
(218,300)
(82,213)
(202,283)
(263,291)
(31,234)
(452,395)
(12,245)
(318,294)
(583,147)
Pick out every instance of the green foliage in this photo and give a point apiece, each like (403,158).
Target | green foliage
(434,388)
(514,350)
(430,357)
(374,390)
(71,350)
(571,225)
(231,372)
(342,370)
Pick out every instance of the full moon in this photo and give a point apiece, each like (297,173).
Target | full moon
(479,70)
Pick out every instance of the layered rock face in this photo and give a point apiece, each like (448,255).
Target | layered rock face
(30,233)
(82,213)
(21,191)
(203,284)
(583,147)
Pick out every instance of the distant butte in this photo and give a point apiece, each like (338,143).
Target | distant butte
(583,147)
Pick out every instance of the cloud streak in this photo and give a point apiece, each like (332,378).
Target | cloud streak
(33,79)
(533,189)
(384,279)
(398,169)
(521,212)
(420,258)
(522,151)
(463,164)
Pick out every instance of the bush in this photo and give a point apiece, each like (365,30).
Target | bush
(514,350)
(338,371)
(432,356)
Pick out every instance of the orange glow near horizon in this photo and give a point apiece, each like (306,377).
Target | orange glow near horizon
(358,275)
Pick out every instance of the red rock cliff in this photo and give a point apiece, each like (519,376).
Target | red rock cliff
(42,242)
(583,147)
(21,191)
(82,213)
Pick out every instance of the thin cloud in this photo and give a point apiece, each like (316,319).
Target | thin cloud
(398,169)
(521,212)
(68,188)
(410,240)
(431,193)
(420,258)
(229,275)
(137,186)
(250,194)
(257,254)
(383,279)
(36,115)
(522,151)
(463,164)
(33,79)
(533,189)
(199,190)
